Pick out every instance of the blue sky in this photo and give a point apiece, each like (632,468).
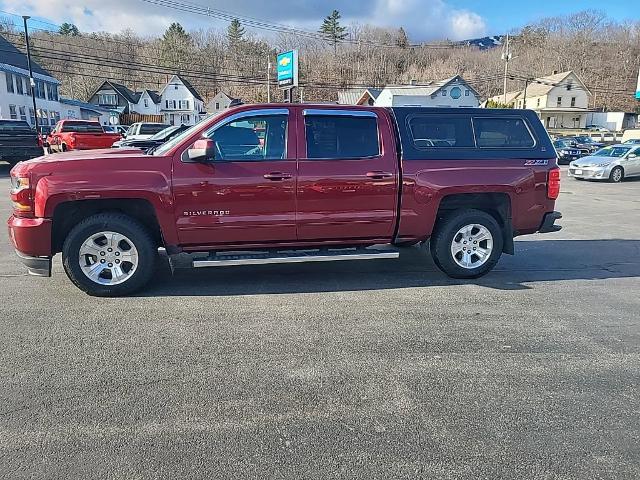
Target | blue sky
(425,20)
(501,16)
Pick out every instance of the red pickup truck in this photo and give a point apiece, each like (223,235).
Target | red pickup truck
(327,182)
(79,135)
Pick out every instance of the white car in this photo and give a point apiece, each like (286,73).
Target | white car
(144,130)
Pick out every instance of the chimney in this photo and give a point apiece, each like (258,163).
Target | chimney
(413,82)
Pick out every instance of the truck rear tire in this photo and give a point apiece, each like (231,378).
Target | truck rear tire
(467,243)
(109,255)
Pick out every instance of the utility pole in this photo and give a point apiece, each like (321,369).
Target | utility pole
(506,56)
(32,82)
(301,94)
(268,81)
(526,83)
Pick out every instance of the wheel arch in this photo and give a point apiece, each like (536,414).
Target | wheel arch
(69,213)
(496,204)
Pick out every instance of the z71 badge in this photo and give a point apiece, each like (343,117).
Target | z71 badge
(537,163)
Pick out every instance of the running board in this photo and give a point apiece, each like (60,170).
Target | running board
(292,256)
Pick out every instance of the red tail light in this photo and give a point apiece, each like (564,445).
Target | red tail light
(553,184)
(21,196)
(71,141)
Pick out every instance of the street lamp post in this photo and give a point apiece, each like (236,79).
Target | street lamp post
(32,82)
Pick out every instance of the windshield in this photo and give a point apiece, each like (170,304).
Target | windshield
(165,147)
(612,152)
(585,139)
(164,133)
(562,143)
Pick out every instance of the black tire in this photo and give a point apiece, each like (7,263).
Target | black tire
(616,175)
(114,222)
(63,147)
(445,232)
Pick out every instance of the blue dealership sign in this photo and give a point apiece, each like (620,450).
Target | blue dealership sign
(287,69)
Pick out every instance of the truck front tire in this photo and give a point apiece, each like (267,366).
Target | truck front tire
(467,243)
(109,255)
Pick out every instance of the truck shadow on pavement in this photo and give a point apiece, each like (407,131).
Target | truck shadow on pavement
(535,261)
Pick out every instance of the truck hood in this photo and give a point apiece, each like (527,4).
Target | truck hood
(46,163)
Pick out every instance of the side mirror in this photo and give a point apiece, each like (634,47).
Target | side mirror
(203,150)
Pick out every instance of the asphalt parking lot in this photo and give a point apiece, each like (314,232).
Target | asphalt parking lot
(372,370)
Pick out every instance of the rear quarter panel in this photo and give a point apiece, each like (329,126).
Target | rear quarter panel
(427,182)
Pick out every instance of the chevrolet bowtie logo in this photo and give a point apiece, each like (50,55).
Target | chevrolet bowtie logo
(285,61)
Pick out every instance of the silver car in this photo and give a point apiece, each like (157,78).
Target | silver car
(612,163)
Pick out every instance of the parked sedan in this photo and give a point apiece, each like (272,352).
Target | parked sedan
(632,141)
(597,128)
(155,140)
(568,151)
(611,163)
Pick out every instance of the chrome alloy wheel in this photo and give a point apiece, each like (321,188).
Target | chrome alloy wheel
(472,246)
(108,258)
(616,175)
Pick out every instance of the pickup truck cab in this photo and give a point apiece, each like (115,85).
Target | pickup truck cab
(70,135)
(144,130)
(18,141)
(328,182)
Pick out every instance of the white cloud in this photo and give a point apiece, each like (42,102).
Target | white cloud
(422,19)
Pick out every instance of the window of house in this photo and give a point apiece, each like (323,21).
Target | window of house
(9,78)
(434,96)
(146,103)
(496,132)
(538,102)
(217,105)
(467,93)
(57,117)
(19,85)
(13,113)
(108,99)
(434,131)
(573,101)
(52,117)
(185,118)
(569,87)
(40,89)
(341,137)
(444,93)
(23,113)
(240,140)
(54,92)
(559,101)
(32,116)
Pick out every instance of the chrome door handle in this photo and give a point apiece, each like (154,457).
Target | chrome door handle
(378,175)
(277,176)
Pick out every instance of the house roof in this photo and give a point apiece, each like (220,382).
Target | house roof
(84,105)
(153,95)
(129,95)
(192,90)
(428,89)
(12,56)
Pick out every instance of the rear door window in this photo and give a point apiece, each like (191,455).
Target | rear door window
(437,131)
(341,137)
(502,132)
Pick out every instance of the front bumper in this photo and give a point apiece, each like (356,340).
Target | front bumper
(38,266)
(548,223)
(595,173)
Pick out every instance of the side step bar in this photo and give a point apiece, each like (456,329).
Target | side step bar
(292,256)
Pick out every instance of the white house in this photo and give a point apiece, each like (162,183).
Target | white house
(222,101)
(15,94)
(561,100)
(149,102)
(180,103)
(452,92)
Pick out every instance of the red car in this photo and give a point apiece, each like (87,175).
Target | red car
(79,135)
(329,182)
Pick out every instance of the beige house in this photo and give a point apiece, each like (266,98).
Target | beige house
(561,100)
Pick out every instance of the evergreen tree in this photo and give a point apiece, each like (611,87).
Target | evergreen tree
(332,30)
(175,46)
(402,40)
(69,29)
(235,33)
